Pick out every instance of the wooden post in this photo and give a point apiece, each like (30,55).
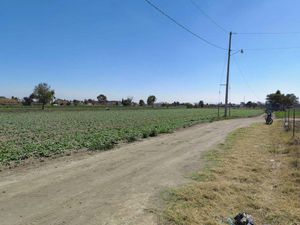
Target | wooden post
(294,121)
(227,77)
(288,121)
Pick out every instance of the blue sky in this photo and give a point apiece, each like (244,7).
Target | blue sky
(125,48)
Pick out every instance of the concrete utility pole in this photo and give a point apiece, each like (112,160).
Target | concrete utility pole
(227,78)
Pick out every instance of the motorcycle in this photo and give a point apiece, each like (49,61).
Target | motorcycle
(269,119)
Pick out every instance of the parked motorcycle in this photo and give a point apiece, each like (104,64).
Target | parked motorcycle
(269,119)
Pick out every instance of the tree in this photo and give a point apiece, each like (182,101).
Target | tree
(151,99)
(43,93)
(127,101)
(76,102)
(14,98)
(176,103)
(279,101)
(141,102)
(28,100)
(250,104)
(91,101)
(275,100)
(189,105)
(201,104)
(290,100)
(102,99)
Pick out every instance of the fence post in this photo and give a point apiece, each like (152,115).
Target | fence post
(218,110)
(294,121)
(284,116)
(289,119)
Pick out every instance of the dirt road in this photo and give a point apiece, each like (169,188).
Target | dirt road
(113,187)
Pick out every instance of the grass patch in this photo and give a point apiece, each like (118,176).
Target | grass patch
(256,170)
(281,114)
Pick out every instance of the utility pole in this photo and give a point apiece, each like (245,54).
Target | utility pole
(227,78)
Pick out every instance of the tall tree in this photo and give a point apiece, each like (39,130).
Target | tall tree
(102,99)
(43,93)
(76,102)
(275,100)
(28,100)
(127,101)
(201,104)
(151,99)
(290,100)
(141,102)
(278,100)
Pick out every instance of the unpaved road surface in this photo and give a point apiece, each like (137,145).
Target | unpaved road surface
(113,187)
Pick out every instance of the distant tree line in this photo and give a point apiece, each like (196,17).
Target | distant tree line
(43,94)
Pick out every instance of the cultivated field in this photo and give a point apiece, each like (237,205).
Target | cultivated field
(44,134)
(280,114)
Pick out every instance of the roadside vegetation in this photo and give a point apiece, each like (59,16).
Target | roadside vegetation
(48,133)
(256,170)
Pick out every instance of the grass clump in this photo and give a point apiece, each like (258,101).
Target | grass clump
(256,170)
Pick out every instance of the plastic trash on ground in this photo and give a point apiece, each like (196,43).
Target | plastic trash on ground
(241,219)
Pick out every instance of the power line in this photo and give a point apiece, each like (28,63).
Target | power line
(245,80)
(215,45)
(242,33)
(184,27)
(208,17)
(268,33)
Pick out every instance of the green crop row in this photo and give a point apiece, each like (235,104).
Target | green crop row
(45,134)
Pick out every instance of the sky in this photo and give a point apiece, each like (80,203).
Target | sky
(125,48)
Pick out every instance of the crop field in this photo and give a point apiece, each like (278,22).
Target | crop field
(280,114)
(44,134)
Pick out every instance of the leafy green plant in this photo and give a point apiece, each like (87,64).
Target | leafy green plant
(49,133)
